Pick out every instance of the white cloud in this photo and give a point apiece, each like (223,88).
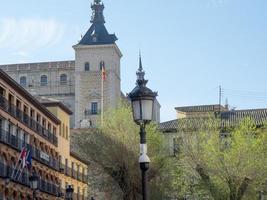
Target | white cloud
(27,35)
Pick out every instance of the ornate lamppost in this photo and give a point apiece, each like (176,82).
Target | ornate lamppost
(69,192)
(33,179)
(142,99)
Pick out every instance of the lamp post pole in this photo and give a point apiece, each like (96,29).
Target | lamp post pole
(142,99)
(34,194)
(144,164)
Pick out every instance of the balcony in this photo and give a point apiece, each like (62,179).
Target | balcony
(17,144)
(27,120)
(44,186)
(75,196)
(88,112)
(73,173)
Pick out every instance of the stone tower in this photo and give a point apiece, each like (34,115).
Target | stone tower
(96,50)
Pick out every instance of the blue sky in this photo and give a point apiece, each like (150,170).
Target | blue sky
(189,47)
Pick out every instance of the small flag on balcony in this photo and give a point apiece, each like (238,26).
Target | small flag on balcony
(21,163)
(23,157)
(29,160)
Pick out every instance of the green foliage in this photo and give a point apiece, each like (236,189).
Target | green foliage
(228,166)
(115,146)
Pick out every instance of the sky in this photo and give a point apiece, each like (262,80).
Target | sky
(189,47)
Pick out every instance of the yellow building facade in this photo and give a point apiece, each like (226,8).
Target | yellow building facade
(43,130)
(73,168)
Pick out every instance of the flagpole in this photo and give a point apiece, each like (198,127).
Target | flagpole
(17,164)
(102,95)
(23,165)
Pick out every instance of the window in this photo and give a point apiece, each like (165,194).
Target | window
(67,132)
(94,108)
(54,130)
(72,169)
(23,81)
(43,80)
(2,91)
(101,65)
(66,166)
(63,79)
(87,66)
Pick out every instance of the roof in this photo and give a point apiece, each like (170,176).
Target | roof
(225,120)
(202,108)
(49,102)
(28,96)
(97,33)
(169,126)
(79,158)
(49,64)
(231,118)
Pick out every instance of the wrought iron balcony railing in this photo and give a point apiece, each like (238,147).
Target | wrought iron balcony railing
(88,112)
(27,120)
(73,173)
(16,143)
(6,172)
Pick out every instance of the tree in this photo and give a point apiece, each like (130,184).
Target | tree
(115,147)
(230,166)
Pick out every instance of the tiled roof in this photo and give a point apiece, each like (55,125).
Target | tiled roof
(201,108)
(224,120)
(231,118)
(169,126)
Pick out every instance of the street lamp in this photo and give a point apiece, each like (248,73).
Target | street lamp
(33,179)
(69,192)
(142,99)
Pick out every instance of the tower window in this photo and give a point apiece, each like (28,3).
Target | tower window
(43,80)
(23,81)
(94,108)
(87,66)
(63,79)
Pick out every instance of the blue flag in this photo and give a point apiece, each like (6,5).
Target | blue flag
(29,159)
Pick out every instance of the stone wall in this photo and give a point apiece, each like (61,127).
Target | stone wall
(101,186)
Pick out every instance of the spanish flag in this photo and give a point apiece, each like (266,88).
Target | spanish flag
(104,76)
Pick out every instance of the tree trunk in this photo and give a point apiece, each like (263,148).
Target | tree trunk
(210,186)
(243,188)
(237,193)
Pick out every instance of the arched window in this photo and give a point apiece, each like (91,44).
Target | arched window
(63,79)
(87,66)
(23,81)
(101,65)
(43,80)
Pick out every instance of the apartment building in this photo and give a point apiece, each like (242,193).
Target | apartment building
(26,123)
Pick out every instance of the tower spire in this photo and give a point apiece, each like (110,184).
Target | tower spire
(140,62)
(98,8)
(97,33)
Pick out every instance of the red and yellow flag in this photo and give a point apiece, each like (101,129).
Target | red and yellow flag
(104,75)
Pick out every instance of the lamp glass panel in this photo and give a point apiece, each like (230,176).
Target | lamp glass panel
(147,109)
(136,110)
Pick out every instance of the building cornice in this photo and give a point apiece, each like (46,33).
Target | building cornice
(115,46)
(18,88)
